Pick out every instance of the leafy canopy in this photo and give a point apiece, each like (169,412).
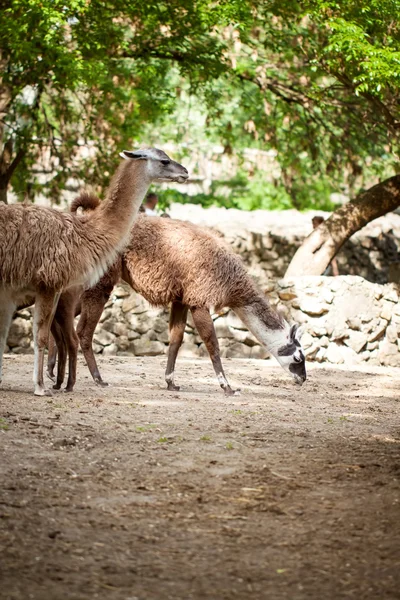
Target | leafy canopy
(316,82)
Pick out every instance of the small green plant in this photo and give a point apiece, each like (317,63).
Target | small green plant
(163,440)
(229,446)
(236,412)
(144,428)
(330,420)
(344,418)
(205,438)
(3,425)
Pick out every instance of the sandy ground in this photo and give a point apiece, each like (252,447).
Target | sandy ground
(133,493)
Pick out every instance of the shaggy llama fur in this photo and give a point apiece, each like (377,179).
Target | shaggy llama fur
(178,263)
(43,251)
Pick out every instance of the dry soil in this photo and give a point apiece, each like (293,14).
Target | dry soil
(134,493)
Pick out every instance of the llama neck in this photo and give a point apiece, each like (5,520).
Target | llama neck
(270,329)
(127,190)
(108,227)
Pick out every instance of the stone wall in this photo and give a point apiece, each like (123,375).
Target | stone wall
(346,320)
(267,241)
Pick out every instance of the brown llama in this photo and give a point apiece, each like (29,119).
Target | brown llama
(174,262)
(44,251)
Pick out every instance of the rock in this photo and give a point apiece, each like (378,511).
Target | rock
(357,340)
(234,322)
(237,350)
(146,347)
(287,294)
(354,323)
(372,346)
(378,332)
(120,328)
(103,337)
(122,343)
(387,310)
(122,291)
(259,352)
(388,354)
(110,350)
(312,306)
(189,350)
(307,340)
(20,328)
(391,333)
(334,354)
(160,323)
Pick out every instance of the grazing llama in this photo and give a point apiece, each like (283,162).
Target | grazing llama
(174,262)
(44,251)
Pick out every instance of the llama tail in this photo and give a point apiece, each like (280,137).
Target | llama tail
(85,201)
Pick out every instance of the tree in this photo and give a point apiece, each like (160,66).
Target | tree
(318,249)
(91,73)
(317,82)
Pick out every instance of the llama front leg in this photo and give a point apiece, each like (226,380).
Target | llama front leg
(45,306)
(92,307)
(205,327)
(177,324)
(7,308)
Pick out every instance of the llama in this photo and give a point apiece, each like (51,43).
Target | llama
(44,251)
(174,262)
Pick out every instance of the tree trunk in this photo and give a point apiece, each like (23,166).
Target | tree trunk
(318,249)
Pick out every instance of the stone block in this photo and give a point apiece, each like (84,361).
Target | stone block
(110,350)
(334,354)
(391,333)
(354,323)
(388,354)
(146,347)
(357,340)
(103,337)
(20,328)
(378,331)
(313,306)
(259,352)
(237,350)
(387,310)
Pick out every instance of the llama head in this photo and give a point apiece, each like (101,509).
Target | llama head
(160,167)
(291,355)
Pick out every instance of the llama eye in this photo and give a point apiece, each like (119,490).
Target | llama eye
(165,162)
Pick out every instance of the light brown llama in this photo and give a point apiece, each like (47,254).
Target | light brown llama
(44,251)
(178,263)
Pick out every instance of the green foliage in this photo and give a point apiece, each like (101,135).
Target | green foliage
(315,82)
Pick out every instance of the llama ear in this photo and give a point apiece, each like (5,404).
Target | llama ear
(133,155)
(293,332)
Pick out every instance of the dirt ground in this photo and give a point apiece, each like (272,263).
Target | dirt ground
(133,493)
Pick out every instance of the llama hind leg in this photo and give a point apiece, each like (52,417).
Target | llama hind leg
(57,348)
(7,308)
(45,306)
(205,326)
(177,324)
(92,306)
(52,357)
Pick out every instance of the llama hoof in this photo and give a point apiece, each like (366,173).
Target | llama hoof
(51,376)
(41,391)
(68,390)
(173,388)
(57,386)
(231,392)
(101,383)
